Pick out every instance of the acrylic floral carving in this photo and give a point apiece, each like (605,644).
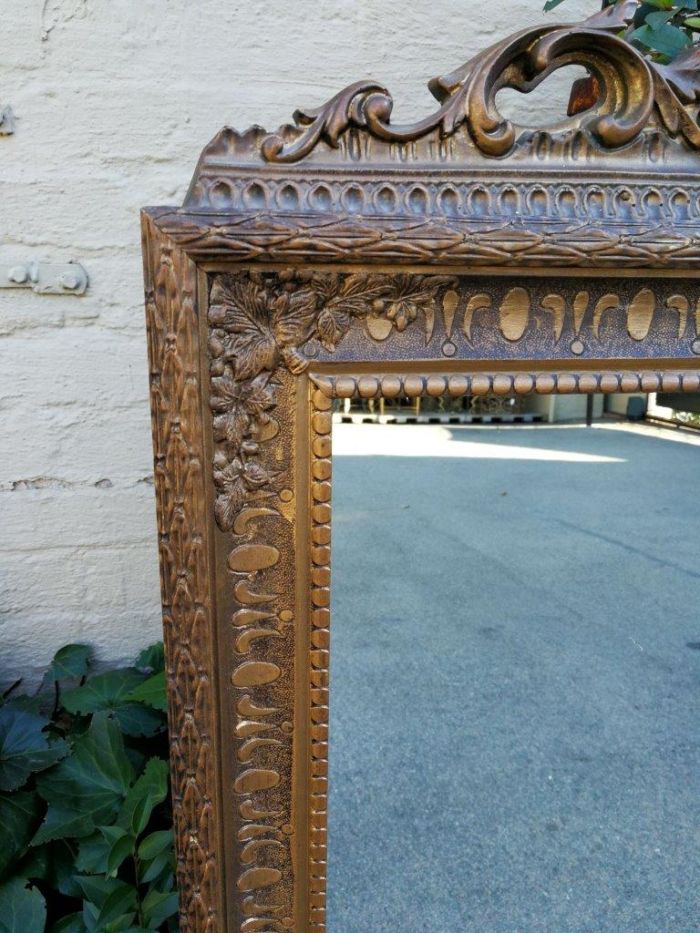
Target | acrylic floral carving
(260,322)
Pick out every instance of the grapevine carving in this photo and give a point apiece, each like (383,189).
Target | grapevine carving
(259,323)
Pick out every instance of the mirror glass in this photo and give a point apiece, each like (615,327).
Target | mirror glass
(515,667)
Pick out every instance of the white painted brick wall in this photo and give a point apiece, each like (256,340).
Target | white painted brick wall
(114,101)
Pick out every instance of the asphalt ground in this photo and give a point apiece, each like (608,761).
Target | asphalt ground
(515,738)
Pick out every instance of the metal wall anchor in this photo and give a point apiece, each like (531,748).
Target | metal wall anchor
(46,278)
(7,121)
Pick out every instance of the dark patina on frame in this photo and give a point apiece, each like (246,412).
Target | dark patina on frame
(341,257)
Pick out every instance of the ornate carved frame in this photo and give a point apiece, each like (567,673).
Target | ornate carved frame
(345,256)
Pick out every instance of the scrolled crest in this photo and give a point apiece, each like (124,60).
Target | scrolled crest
(633,94)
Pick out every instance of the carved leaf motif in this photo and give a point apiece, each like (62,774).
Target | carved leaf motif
(259,394)
(239,405)
(294,316)
(327,122)
(232,427)
(239,305)
(410,294)
(332,328)
(228,505)
(237,482)
(356,291)
(613,17)
(683,75)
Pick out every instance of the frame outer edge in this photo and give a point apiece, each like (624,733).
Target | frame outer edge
(198,671)
(189,624)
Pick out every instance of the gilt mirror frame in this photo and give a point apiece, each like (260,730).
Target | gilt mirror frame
(345,256)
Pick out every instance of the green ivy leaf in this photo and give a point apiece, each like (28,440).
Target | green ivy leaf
(152,658)
(63,822)
(35,864)
(90,914)
(667,39)
(61,870)
(92,855)
(23,908)
(152,692)
(148,791)
(120,845)
(120,925)
(658,4)
(137,720)
(70,662)
(35,705)
(24,747)
(157,906)
(119,909)
(20,814)
(658,18)
(88,787)
(108,900)
(97,890)
(72,923)
(110,692)
(156,856)
(155,844)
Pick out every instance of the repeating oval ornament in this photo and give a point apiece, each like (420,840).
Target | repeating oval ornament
(580,307)
(248,597)
(450,300)
(255,674)
(608,302)
(514,313)
(556,305)
(248,709)
(255,878)
(476,303)
(379,327)
(251,557)
(244,617)
(640,314)
(256,779)
(269,430)
(681,305)
(246,639)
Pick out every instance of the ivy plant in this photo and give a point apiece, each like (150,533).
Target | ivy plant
(84,800)
(664,30)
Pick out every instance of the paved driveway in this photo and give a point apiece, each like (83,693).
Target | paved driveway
(515,681)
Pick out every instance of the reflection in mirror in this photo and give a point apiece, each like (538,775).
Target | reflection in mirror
(515,663)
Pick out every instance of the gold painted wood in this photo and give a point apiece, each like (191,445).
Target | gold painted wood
(346,257)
